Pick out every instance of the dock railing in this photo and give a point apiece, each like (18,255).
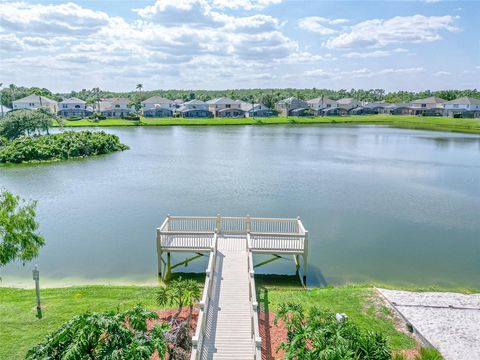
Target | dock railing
(197,339)
(192,233)
(255,330)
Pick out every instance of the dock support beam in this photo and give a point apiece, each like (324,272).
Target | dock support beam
(159,254)
(305,257)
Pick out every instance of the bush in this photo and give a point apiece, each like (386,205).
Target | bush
(112,335)
(61,146)
(134,117)
(319,335)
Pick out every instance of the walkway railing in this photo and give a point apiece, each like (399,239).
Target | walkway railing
(255,331)
(197,339)
(190,233)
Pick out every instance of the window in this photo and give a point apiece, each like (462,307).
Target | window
(65,106)
(455,106)
(77,106)
(31,104)
(117,106)
(424,105)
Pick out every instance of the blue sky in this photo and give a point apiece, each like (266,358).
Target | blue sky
(219,44)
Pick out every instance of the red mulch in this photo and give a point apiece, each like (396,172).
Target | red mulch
(271,335)
(166,316)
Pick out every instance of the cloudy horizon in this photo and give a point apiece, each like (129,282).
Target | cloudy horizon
(227,44)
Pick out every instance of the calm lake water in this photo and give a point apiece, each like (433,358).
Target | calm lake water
(382,205)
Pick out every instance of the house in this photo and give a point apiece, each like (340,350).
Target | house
(462,107)
(74,107)
(114,107)
(320,103)
(157,102)
(256,110)
(380,107)
(195,113)
(4,110)
(286,106)
(334,111)
(195,105)
(431,106)
(348,103)
(158,112)
(403,109)
(33,102)
(302,112)
(431,102)
(231,113)
(361,110)
(216,105)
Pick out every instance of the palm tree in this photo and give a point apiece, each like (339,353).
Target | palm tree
(139,87)
(12,90)
(1,104)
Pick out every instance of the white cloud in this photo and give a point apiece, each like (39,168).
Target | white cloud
(361,73)
(244,4)
(62,19)
(315,24)
(400,29)
(363,55)
(442,73)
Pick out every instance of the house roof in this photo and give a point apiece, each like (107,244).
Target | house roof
(157,100)
(429,100)
(72,100)
(222,101)
(465,100)
(345,101)
(321,100)
(34,97)
(116,100)
(290,100)
(5,108)
(195,102)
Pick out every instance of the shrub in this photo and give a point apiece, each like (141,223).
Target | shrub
(319,335)
(61,146)
(132,117)
(112,335)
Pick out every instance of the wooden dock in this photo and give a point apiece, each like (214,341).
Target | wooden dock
(227,326)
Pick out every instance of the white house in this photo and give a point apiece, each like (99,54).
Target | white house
(4,110)
(33,102)
(221,103)
(431,102)
(195,105)
(320,103)
(158,102)
(114,107)
(285,107)
(461,106)
(348,103)
(74,107)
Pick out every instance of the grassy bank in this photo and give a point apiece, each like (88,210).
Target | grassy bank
(409,122)
(20,329)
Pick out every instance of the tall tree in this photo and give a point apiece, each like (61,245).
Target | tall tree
(19,237)
(139,87)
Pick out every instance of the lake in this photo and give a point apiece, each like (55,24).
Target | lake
(382,205)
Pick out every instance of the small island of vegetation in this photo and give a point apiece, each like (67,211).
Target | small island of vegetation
(25,137)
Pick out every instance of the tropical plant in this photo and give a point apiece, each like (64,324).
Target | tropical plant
(61,146)
(110,335)
(320,335)
(21,122)
(19,239)
(139,87)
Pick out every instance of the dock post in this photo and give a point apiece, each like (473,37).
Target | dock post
(305,256)
(218,222)
(159,253)
(168,272)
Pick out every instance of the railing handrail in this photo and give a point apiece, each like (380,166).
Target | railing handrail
(186,232)
(277,234)
(197,340)
(255,331)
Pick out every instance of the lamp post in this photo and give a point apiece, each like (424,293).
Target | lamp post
(36,277)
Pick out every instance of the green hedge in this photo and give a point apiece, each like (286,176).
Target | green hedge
(61,146)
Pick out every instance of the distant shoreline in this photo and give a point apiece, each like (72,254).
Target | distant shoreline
(468,126)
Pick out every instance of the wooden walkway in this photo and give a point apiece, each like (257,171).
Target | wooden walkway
(227,326)
(228,332)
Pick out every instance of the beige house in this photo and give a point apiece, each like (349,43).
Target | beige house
(33,102)
(348,103)
(216,105)
(431,102)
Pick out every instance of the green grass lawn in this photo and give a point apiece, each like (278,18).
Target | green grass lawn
(409,122)
(359,303)
(20,329)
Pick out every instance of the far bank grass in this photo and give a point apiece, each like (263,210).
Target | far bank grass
(20,330)
(471,126)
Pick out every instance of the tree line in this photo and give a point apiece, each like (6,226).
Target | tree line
(266,96)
